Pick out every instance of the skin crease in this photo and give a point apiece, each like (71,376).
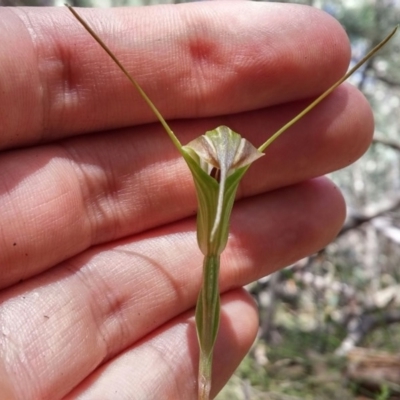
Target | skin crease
(99,264)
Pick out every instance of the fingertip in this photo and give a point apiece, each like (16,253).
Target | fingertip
(359,118)
(333,209)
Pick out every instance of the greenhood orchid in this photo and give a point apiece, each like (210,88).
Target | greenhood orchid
(217,160)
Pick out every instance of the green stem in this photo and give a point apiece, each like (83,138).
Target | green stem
(129,76)
(207,322)
(327,92)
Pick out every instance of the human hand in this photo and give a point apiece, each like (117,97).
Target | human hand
(99,264)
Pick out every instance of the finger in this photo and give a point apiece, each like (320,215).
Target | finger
(58,200)
(194,60)
(60,326)
(164,364)
(62,199)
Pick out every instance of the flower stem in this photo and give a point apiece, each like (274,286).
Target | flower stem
(207,322)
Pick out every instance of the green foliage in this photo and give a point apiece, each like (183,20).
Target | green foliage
(384,394)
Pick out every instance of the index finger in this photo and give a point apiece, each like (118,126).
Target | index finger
(194,60)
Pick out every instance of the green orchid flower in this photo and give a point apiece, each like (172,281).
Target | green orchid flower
(217,160)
